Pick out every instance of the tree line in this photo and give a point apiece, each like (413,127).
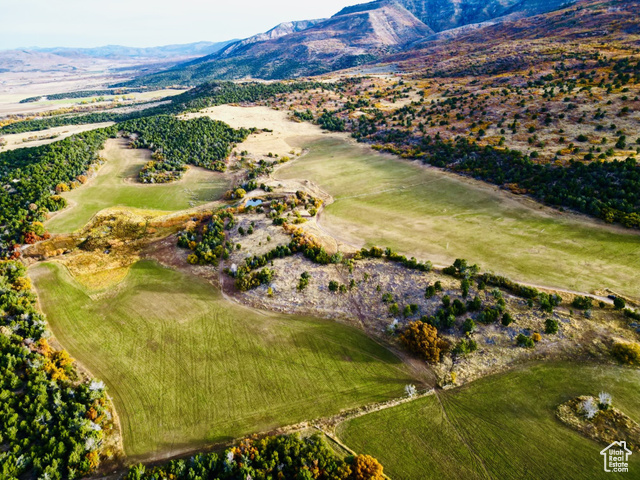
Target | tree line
(278,456)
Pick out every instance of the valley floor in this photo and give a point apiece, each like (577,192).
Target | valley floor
(189,367)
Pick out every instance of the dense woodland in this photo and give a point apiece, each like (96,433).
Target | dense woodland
(30,179)
(51,421)
(200,141)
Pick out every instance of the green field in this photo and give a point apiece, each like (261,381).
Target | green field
(115,185)
(500,427)
(422,211)
(186,367)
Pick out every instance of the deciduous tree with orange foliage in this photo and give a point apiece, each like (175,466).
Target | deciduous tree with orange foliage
(423,339)
(365,467)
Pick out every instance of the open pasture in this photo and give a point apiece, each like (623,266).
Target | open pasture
(187,368)
(437,216)
(501,427)
(116,185)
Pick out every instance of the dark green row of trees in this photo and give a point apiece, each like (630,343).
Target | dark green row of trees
(50,422)
(206,95)
(86,93)
(607,190)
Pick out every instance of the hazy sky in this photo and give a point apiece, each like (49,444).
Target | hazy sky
(136,23)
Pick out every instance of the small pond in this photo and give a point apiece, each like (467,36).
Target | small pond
(253,203)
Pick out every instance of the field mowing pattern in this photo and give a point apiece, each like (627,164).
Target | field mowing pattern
(507,420)
(115,185)
(380,200)
(186,368)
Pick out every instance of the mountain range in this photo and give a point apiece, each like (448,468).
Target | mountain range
(62,59)
(356,35)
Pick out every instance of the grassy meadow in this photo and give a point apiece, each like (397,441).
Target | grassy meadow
(115,185)
(187,368)
(384,201)
(502,426)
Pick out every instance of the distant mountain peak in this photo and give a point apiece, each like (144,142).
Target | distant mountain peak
(364,7)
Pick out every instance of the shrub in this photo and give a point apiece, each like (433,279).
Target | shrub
(446,301)
(489,315)
(523,341)
(515,288)
(550,326)
(635,315)
(474,305)
(304,281)
(619,303)
(604,401)
(465,347)
(458,308)
(430,291)
(461,268)
(507,319)
(547,302)
(333,286)
(423,339)
(582,303)
(628,353)
(465,284)
(254,279)
(589,408)
(469,326)
(536,337)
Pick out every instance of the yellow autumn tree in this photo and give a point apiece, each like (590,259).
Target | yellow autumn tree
(365,467)
(423,339)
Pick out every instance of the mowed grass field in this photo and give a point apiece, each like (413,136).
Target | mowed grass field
(186,367)
(380,200)
(500,427)
(116,185)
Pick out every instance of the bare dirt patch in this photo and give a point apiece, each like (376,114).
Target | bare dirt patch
(284,138)
(43,137)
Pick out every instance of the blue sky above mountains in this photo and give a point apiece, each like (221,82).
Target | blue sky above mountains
(91,23)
